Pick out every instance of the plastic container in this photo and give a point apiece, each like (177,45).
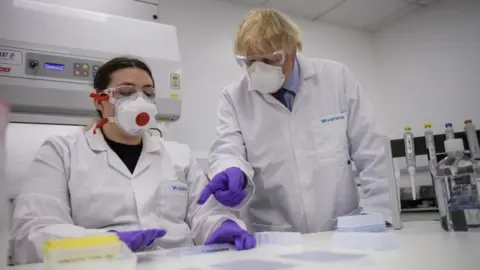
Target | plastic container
(98,251)
(458,195)
(472,138)
(4,204)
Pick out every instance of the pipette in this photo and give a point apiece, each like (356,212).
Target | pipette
(410,157)
(430,143)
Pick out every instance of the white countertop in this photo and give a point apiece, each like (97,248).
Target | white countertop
(421,245)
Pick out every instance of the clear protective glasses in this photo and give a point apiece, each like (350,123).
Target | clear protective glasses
(274,59)
(125,91)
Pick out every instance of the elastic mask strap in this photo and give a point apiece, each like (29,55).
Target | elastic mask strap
(99,97)
(101,123)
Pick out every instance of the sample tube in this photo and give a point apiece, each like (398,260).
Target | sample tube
(449,132)
(472,139)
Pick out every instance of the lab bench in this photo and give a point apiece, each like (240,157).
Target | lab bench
(421,245)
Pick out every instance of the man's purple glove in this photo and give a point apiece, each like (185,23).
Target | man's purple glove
(227,187)
(138,240)
(230,233)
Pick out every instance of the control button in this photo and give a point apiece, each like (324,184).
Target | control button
(85,74)
(77,65)
(77,72)
(85,67)
(33,64)
(95,68)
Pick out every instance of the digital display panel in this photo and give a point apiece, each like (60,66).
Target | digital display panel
(54,66)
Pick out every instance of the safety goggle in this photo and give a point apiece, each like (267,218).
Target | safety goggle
(125,91)
(273,59)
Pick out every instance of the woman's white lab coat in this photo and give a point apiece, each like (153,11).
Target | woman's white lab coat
(78,184)
(299,162)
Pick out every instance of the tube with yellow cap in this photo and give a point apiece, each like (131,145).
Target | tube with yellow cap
(94,251)
(430,143)
(410,157)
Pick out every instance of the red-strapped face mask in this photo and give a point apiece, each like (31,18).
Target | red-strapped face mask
(134,111)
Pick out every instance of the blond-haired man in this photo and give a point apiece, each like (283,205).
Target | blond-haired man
(287,132)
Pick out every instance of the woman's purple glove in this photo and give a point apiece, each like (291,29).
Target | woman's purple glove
(230,233)
(227,187)
(138,240)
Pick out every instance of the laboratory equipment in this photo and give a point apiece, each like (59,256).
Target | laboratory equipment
(457,176)
(96,251)
(430,145)
(4,202)
(472,139)
(46,69)
(392,187)
(410,158)
(449,132)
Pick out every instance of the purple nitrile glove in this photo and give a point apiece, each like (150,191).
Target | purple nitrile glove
(230,233)
(227,187)
(138,240)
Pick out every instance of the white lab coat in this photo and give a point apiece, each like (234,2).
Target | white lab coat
(298,163)
(77,184)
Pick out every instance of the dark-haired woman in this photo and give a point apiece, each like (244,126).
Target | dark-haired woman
(118,178)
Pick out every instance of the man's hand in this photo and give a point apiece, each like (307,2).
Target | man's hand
(227,187)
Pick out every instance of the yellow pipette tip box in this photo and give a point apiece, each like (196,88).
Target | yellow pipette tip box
(94,251)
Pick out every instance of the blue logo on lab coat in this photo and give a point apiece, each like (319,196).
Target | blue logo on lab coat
(331,119)
(177,188)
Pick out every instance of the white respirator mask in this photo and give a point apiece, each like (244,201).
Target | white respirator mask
(134,114)
(265,78)
(264,72)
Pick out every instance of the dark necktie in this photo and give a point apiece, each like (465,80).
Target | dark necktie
(286,97)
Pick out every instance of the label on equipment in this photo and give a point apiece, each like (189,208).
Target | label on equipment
(431,152)
(175,81)
(10,57)
(409,146)
(5,69)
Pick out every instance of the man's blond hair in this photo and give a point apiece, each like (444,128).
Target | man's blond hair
(266,31)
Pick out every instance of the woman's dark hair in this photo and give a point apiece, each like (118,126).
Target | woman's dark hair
(103,76)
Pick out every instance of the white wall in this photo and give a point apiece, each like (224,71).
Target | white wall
(206,30)
(428,68)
